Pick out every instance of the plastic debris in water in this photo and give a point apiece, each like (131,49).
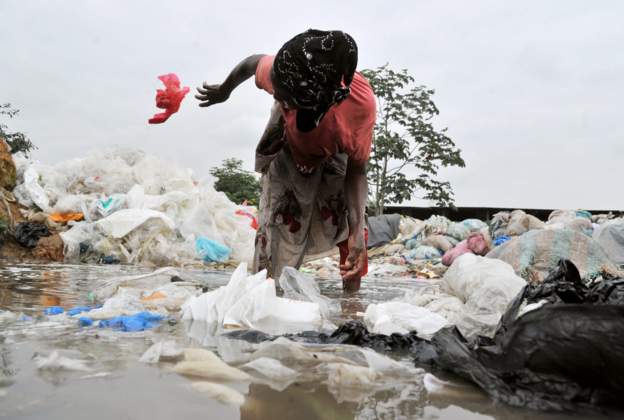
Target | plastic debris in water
(84,321)
(129,323)
(168,99)
(56,361)
(78,310)
(53,310)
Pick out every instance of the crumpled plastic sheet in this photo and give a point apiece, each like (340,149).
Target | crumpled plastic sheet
(165,350)
(163,208)
(350,373)
(251,302)
(57,361)
(219,392)
(402,317)
(205,364)
(473,294)
(610,236)
(122,222)
(298,286)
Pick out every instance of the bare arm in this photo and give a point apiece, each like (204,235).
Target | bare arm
(356,192)
(214,94)
(272,139)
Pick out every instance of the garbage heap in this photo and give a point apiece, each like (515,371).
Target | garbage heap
(403,246)
(125,206)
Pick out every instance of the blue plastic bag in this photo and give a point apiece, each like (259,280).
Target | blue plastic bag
(78,310)
(53,310)
(84,321)
(501,240)
(137,322)
(212,251)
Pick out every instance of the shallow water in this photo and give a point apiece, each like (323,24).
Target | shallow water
(119,386)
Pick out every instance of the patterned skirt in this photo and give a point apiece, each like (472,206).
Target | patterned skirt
(299,214)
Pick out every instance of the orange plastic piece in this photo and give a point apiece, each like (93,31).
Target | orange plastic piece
(154,296)
(66,217)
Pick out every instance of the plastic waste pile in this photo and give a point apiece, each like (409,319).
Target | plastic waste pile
(439,235)
(131,207)
(418,248)
(424,249)
(517,222)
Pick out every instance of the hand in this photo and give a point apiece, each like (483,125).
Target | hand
(211,94)
(356,260)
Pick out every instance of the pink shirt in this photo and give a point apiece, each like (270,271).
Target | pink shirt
(347,127)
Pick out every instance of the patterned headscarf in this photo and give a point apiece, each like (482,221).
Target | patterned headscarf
(316,68)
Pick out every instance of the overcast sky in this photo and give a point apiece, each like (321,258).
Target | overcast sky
(530,91)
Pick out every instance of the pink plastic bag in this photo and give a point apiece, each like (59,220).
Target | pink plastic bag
(476,244)
(168,99)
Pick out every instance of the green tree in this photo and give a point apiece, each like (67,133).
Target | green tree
(18,142)
(239,185)
(405,138)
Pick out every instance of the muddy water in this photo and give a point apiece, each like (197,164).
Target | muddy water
(117,386)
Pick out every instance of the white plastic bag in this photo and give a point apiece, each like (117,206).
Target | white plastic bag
(221,393)
(34,189)
(252,302)
(122,222)
(485,285)
(401,317)
(205,364)
(298,286)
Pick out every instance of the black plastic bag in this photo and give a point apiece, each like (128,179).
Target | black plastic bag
(560,356)
(27,233)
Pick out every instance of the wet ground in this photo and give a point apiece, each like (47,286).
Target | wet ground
(117,385)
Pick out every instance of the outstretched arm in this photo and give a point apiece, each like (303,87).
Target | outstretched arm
(356,192)
(215,94)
